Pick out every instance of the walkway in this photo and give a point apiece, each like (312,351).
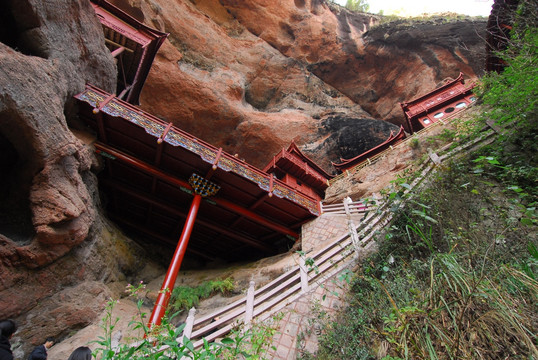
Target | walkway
(313,283)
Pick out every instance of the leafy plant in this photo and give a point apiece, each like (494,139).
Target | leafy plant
(185,297)
(414,143)
(443,283)
(513,94)
(160,343)
(309,262)
(358,5)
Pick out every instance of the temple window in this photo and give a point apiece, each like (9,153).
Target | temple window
(461,105)
(439,115)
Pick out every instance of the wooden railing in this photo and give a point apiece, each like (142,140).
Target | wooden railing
(271,298)
(377,157)
(346,207)
(329,261)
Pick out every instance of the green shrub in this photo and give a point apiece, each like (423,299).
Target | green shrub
(414,143)
(186,297)
(358,5)
(160,342)
(513,94)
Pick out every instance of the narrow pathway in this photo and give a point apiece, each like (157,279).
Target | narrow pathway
(344,238)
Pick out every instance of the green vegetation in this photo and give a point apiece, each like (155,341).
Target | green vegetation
(455,277)
(456,274)
(355,5)
(414,143)
(513,94)
(447,135)
(358,5)
(185,297)
(401,22)
(160,343)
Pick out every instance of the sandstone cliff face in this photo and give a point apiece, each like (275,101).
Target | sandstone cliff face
(224,83)
(48,193)
(46,178)
(249,76)
(272,72)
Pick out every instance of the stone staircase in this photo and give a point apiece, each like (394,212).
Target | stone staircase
(348,231)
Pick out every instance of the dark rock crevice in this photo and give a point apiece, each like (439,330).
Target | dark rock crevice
(15,213)
(353,136)
(19,162)
(18,24)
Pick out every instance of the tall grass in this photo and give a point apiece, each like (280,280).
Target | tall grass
(463,314)
(455,277)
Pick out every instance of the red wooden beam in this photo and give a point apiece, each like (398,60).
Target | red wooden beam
(174,180)
(118,51)
(255,217)
(175,211)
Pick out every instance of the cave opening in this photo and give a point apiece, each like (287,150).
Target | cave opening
(18,24)
(15,182)
(8,26)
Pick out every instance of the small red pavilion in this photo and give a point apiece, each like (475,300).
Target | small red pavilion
(347,164)
(299,172)
(133,44)
(438,104)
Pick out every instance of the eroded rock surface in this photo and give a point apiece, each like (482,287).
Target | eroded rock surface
(251,76)
(248,76)
(48,196)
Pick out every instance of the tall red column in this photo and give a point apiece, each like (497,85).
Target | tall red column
(171,275)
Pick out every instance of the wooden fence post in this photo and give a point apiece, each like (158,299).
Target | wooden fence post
(347,201)
(434,157)
(249,311)
(352,228)
(354,237)
(304,275)
(189,323)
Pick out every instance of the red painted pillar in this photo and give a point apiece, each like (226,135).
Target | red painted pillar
(171,275)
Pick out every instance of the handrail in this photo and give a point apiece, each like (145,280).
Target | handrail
(353,207)
(375,158)
(329,261)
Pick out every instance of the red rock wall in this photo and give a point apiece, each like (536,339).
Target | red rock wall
(250,76)
(51,233)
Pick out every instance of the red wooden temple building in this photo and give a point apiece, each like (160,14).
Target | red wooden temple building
(165,186)
(438,104)
(156,176)
(299,172)
(132,43)
(347,164)
(148,180)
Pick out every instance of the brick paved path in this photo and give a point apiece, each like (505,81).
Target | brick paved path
(298,330)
